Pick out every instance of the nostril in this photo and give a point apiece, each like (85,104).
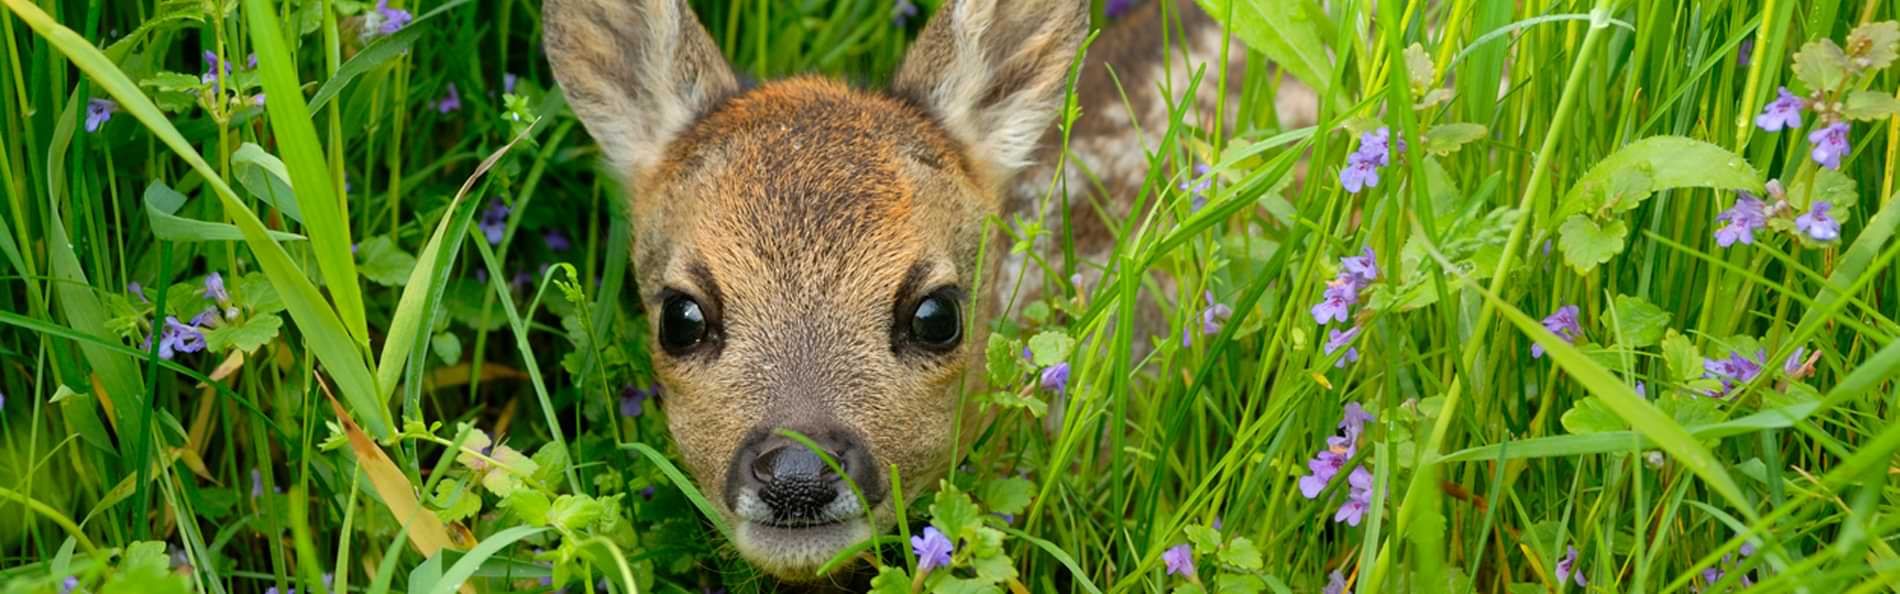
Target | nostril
(790,463)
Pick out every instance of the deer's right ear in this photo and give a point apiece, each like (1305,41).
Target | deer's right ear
(637,72)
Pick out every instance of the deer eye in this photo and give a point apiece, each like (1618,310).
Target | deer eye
(682,324)
(935,324)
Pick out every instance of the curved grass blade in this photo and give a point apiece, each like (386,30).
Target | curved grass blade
(686,486)
(296,135)
(467,566)
(161,206)
(323,331)
(1639,413)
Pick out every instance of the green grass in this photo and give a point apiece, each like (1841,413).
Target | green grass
(1581,158)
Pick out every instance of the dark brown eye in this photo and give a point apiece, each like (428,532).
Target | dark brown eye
(682,324)
(936,323)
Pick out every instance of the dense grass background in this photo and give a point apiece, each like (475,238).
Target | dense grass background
(431,279)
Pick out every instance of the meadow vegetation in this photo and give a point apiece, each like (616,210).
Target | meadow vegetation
(1558,295)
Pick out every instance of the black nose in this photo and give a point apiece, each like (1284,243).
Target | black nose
(794,484)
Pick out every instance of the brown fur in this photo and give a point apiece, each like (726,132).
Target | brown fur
(807,217)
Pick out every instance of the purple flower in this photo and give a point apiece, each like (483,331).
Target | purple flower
(1117,8)
(137,290)
(1748,215)
(633,400)
(1642,391)
(1337,304)
(1564,324)
(1830,144)
(1817,224)
(556,241)
(179,338)
(1783,112)
(902,12)
(1335,583)
(494,221)
(98,111)
(1197,187)
(1335,339)
(1793,366)
(1361,269)
(1055,378)
(69,584)
(1358,174)
(250,60)
(257,485)
(931,548)
(214,288)
(508,80)
(258,100)
(1324,467)
(1214,315)
(1736,369)
(1712,575)
(1353,422)
(385,20)
(1358,497)
(1180,560)
(1744,52)
(215,71)
(1375,146)
(1567,568)
(452,101)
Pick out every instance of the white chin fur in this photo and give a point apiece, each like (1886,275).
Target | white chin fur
(794,554)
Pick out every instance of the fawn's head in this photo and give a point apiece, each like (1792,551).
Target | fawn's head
(806,251)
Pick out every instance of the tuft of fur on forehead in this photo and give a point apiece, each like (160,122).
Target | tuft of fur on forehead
(812,174)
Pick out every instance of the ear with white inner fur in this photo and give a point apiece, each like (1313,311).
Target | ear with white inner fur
(637,72)
(994,72)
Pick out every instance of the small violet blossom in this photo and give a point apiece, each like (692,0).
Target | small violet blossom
(1564,324)
(1335,583)
(1358,497)
(1818,224)
(68,585)
(179,338)
(385,20)
(1055,378)
(556,242)
(902,12)
(1116,8)
(932,549)
(1330,461)
(633,399)
(508,81)
(1336,339)
(1180,560)
(1362,166)
(1567,569)
(1830,144)
(1197,188)
(1337,304)
(215,71)
(451,101)
(1783,112)
(1214,315)
(1355,273)
(1747,216)
(1734,370)
(494,222)
(214,288)
(1794,367)
(98,112)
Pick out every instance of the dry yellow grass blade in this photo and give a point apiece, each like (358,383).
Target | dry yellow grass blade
(426,531)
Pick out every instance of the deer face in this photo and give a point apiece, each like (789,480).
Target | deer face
(807,252)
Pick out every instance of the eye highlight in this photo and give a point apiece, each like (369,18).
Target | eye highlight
(935,323)
(683,324)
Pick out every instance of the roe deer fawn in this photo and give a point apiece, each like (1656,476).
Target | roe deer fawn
(807,250)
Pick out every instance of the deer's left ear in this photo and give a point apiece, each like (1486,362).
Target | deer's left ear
(994,72)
